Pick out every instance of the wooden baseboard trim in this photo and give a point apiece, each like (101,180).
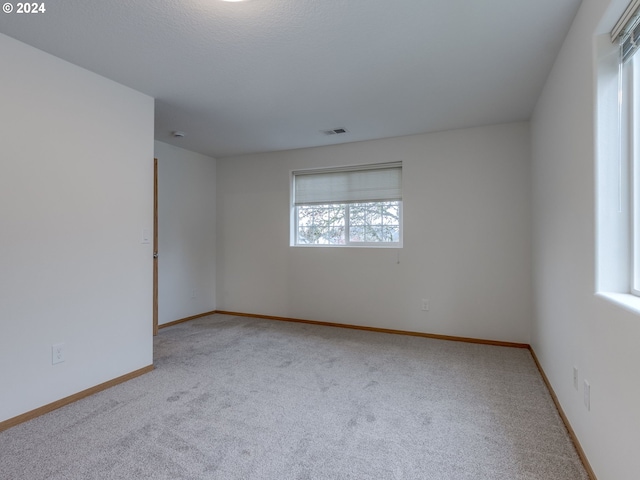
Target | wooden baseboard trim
(186,319)
(572,434)
(380,330)
(12,422)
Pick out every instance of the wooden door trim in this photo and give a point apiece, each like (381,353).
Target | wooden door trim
(155,246)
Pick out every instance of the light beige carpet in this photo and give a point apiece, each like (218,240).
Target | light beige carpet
(241,398)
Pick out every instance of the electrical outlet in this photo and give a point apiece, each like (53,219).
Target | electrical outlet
(425,304)
(193,293)
(587,395)
(57,353)
(575,378)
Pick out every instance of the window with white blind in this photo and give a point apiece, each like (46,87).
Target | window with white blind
(626,34)
(348,206)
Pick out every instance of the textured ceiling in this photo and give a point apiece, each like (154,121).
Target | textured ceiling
(267,75)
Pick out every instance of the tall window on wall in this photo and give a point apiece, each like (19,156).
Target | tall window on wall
(627,34)
(348,206)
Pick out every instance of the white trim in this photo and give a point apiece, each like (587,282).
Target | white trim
(627,301)
(352,245)
(632,105)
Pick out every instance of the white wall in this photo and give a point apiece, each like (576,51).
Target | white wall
(76,191)
(466,238)
(186,233)
(572,326)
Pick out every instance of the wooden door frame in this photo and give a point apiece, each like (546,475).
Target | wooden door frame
(155,246)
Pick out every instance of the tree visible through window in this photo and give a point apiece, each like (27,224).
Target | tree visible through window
(373,222)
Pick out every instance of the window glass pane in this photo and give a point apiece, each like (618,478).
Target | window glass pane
(368,223)
(321,225)
(634,94)
(356,233)
(391,233)
(374,222)
(373,234)
(357,216)
(391,213)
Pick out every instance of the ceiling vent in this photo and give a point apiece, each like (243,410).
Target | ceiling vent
(335,131)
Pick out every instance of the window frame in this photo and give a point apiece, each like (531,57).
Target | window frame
(627,201)
(630,116)
(348,243)
(294,217)
(614,171)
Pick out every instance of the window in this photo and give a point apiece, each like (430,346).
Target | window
(627,34)
(348,206)
(632,83)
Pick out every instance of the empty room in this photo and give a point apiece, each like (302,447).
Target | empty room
(305,239)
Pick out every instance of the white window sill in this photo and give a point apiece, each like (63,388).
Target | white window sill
(371,245)
(625,300)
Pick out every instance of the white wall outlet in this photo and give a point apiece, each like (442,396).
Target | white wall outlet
(575,378)
(193,293)
(146,236)
(425,304)
(587,395)
(57,353)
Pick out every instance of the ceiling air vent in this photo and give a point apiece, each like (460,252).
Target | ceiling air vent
(335,131)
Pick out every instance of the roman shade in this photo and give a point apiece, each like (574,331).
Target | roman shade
(358,184)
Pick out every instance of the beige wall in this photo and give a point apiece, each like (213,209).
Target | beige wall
(572,325)
(466,238)
(186,233)
(76,192)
